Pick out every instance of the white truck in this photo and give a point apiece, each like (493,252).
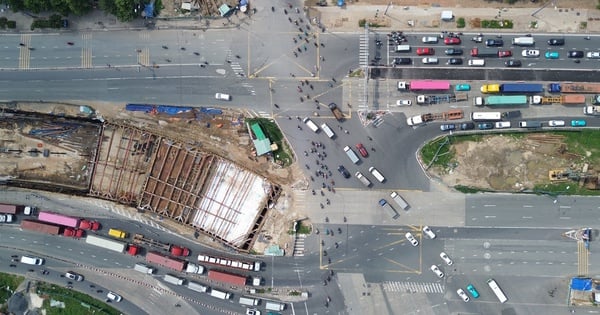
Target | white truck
(249,301)
(274,306)
(403,86)
(193,268)
(143,268)
(523,41)
(389,209)
(173,279)
(363,179)
(399,200)
(196,287)
(592,110)
(220,294)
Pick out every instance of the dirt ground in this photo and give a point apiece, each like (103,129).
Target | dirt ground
(505,163)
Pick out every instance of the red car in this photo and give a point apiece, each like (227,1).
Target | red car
(361,149)
(452,41)
(425,51)
(504,53)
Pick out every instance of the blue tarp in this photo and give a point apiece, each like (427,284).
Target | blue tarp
(581,284)
(210,111)
(243,3)
(341,3)
(149,10)
(167,109)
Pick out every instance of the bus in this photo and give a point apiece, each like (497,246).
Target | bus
(486,116)
(429,85)
(497,291)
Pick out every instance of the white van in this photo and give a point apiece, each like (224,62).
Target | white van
(32,260)
(143,268)
(351,155)
(403,48)
(377,174)
(477,62)
(310,124)
(327,131)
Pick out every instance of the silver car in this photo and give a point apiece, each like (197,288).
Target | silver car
(428,232)
(437,271)
(446,259)
(463,295)
(73,276)
(411,239)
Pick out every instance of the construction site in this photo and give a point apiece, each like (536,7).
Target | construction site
(176,179)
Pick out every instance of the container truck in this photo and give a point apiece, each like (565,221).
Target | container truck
(484,52)
(336,111)
(65,220)
(449,115)
(500,100)
(10,209)
(196,287)
(166,261)
(399,200)
(220,294)
(229,263)
(173,279)
(585,88)
(173,249)
(389,209)
(566,99)
(110,244)
(40,226)
(143,268)
(228,278)
(249,301)
(490,88)
(521,88)
(523,41)
(593,110)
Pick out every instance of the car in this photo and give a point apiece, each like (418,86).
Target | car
(403,102)
(462,87)
(422,51)
(530,53)
(252,311)
(429,40)
(472,290)
(343,171)
(446,259)
(6,218)
(437,271)
(452,41)
(73,276)
(512,63)
(502,124)
(453,51)
(484,126)
(578,123)
(593,54)
(428,232)
(402,61)
(504,53)
(411,239)
(575,54)
(556,123)
(455,61)
(361,149)
(447,127)
(494,42)
(467,126)
(430,60)
(463,295)
(113,296)
(477,39)
(556,41)
(223,97)
(551,55)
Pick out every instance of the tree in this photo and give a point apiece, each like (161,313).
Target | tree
(125,11)
(108,6)
(37,6)
(79,7)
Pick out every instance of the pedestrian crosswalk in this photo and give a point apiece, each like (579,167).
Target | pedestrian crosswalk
(131,215)
(249,87)
(299,245)
(413,287)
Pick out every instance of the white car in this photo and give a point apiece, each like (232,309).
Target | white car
(403,102)
(73,276)
(113,296)
(437,271)
(411,239)
(223,97)
(556,123)
(463,295)
(428,232)
(430,61)
(446,259)
(6,218)
(593,54)
(430,40)
(530,53)
(502,124)
(252,311)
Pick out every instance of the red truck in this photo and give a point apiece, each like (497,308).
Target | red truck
(75,233)
(166,261)
(225,277)
(39,226)
(10,209)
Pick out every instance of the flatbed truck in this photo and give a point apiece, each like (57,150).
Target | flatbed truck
(449,115)
(173,249)
(566,99)
(585,88)
(437,99)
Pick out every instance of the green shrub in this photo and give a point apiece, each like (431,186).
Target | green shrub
(460,23)
(362,22)
(11,24)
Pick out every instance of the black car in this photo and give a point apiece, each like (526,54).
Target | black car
(343,171)
(512,63)
(453,51)
(556,41)
(467,126)
(575,54)
(484,126)
(402,61)
(455,61)
(494,42)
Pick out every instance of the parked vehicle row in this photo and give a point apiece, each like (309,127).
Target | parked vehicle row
(507,124)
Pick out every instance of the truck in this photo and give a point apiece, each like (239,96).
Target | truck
(363,179)
(144,268)
(593,110)
(484,52)
(117,233)
(173,279)
(521,88)
(351,155)
(449,115)
(173,249)
(220,294)
(389,209)
(194,286)
(437,99)
(10,209)
(71,232)
(225,277)
(337,113)
(490,88)
(530,124)
(274,306)
(500,100)
(66,220)
(523,41)
(111,244)
(585,88)
(566,99)
(166,261)
(249,301)
(399,200)
(40,226)
(229,263)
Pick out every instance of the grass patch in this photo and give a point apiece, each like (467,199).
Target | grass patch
(301,229)
(8,285)
(496,24)
(583,142)
(75,303)
(362,22)
(469,190)
(564,188)
(438,152)
(282,155)
(461,23)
